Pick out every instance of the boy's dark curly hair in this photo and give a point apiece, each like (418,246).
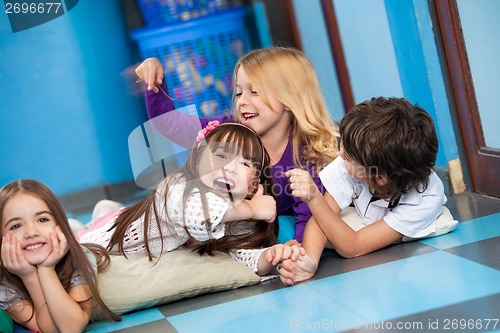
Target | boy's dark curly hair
(391,137)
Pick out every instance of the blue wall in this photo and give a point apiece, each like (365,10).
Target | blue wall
(483,51)
(369,49)
(65,108)
(317,48)
(419,68)
(390,51)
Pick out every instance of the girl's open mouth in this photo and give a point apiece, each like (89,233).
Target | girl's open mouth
(223,184)
(249,116)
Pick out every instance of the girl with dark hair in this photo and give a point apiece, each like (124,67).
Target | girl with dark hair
(47,279)
(388,148)
(218,201)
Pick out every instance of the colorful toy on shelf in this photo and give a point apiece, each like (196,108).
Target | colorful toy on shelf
(199,58)
(160,12)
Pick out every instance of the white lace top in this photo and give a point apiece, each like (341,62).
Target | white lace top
(175,218)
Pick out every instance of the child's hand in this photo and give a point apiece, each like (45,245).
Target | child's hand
(293,271)
(151,72)
(59,248)
(293,242)
(279,252)
(13,259)
(302,184)
(264,206)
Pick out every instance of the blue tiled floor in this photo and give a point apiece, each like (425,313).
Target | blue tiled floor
(468,232)
(128,320)
(370,295)
(443,284)
(416,281)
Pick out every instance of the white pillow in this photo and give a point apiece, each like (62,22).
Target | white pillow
(444,223)
(137,283)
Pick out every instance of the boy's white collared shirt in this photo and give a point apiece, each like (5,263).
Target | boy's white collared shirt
(414,215)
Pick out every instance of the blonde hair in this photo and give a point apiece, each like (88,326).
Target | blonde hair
(288,75)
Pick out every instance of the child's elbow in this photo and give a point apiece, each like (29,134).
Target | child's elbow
(79,326)
(349,253)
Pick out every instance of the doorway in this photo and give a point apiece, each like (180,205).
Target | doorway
(471,48)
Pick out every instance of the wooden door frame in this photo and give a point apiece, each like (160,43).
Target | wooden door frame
(337,50)
(480,159)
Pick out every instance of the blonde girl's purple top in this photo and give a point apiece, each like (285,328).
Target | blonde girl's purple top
(185,128)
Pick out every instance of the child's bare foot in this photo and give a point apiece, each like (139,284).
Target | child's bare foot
(292,272)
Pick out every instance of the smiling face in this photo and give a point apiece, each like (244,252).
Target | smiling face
(29,220)
(228,171)
(254,112)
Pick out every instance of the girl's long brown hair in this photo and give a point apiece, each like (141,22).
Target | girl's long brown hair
(233,136)
(74,260)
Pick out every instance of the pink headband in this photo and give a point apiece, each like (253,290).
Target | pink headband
(213,125)
(209,128)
